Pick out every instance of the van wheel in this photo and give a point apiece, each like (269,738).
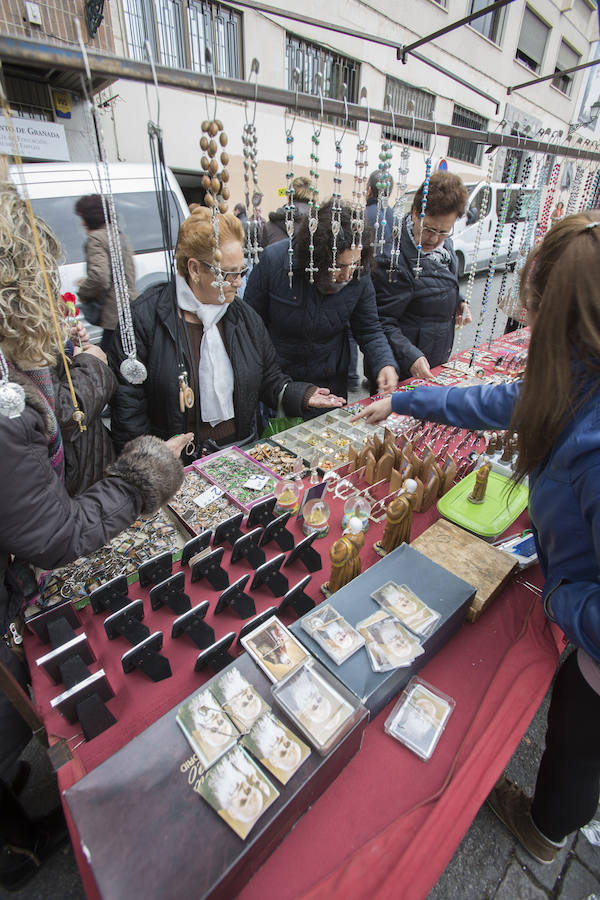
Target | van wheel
(461,265)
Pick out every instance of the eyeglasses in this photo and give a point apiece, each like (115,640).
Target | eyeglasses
(230,277)
(435,232)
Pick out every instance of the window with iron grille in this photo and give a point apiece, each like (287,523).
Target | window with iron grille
(159,23)
(490,26)
(460,148)
(337,71)
(567,57)
(401,95)
(218,29)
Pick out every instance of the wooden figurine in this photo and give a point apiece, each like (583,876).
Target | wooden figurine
(477,495)
(385,464)
(448,475)
(431,489)
(345,558)
(398,520)
(370,466)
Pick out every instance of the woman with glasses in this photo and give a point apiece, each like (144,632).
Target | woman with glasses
(209,363)
(418,310)
(309,320)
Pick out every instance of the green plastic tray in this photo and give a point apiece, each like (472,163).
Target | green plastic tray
(503,503)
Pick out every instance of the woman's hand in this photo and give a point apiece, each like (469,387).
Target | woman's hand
(387,380)
(94,350)
(420,369)
(375,412)
(323,398)
(463,316)
(177,444)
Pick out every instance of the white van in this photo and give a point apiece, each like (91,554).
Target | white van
(466,228)
(54,188)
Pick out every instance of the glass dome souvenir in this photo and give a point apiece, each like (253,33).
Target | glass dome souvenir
(287,495)
(316,517)
(359,507)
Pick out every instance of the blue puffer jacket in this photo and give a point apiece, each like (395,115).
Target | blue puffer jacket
(309,329)
(417,314)
(564,499)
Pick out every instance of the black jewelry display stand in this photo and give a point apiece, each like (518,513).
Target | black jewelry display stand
(262,513)
(276,531)
(306,553)
(271,577)
(196,545)
(229,531)
(127,622)
(93,716)
(192,624)
(256,622)
(146,657)
(295,598)
(235,597)
(217,656)
(51,662)
(247,548)
(39,624)
(171,593)
(209,567)
(110,596)
(156,569)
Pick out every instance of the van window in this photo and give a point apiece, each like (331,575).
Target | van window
(137,214)
(515,204)
(474,207)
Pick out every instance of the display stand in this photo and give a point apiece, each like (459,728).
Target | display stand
(247,547)
(217,656)
(195,546)
(306,553)
(171,593)
(110,596)
(209,567)
(192,624)
(146,657)
(229,531)
(271,577)
(297,599)
(261,513)
(236,598)
(127,622)
(156,569)
(276,531)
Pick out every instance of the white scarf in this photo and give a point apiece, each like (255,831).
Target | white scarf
(215,373)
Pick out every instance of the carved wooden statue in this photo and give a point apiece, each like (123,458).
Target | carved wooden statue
(398,520)
(345,558)
(477,495)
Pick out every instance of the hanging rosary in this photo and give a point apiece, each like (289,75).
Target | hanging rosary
(494,257)
(572,202)
(585,194)
(543,223)
(522,199)
(250,145)
(336,196)
(594,189)
(541,171)
(383,185)
(215,183)
(313,203)
(398,209)
(359,188)
(290,209)
(419,268)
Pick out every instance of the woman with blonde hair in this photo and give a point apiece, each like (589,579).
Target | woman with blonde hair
(555,411)
(209,363)
(40,523)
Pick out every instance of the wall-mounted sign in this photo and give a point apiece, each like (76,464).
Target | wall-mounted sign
(62,104)
(35,139)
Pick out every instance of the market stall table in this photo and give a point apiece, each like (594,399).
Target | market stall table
(388,818)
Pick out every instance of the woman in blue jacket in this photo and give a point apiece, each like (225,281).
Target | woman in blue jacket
(556,413)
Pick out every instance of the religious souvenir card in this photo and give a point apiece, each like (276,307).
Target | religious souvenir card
(318,704)
(238,791)
(331,631)
(239,699)
(276,747)
(207,727)
(419,717)
(275,650)
(403,603)
(389,644)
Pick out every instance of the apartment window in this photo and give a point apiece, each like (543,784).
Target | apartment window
(459,148)
(159,23)
(337,71)
(423,106)
(567,57)
(211,27)
(218,29)
(532,40)
(490,26)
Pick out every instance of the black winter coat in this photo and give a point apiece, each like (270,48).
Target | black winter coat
(309,329)
(417,314)
(153,407)
(89,452)
(274,229)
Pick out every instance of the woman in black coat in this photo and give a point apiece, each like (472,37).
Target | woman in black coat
(309,322)
(41,524)
(223,348)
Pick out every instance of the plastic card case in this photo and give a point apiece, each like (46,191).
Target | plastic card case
(199,506)
(319,705)
(419,717)
(503,503)
(244,480)
(145,538)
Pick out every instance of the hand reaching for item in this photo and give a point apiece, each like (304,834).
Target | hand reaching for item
(323,398)
(387,380)
(420,369)
(375,412)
